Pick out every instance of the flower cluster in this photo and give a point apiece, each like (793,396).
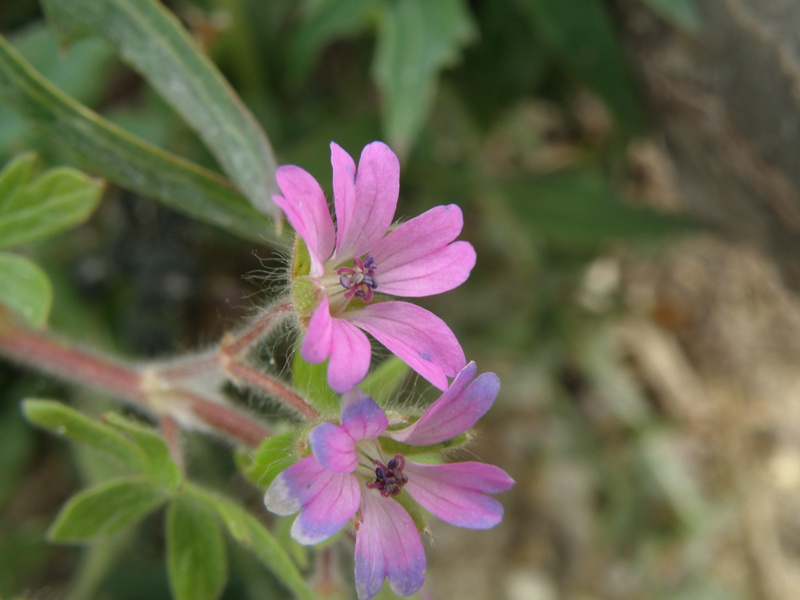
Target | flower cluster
(348,475)
(362,258)
(361,469)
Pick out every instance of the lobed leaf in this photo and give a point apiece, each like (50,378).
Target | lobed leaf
(126,159)
(68,422)
(417,38)
(107,508)
(251,534)
(159,462)
(196,559)
(26,290)
(152,41)
(34,209)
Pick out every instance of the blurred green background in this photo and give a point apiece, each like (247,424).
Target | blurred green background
(592,298)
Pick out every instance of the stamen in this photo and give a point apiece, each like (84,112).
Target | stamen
(361,280)
(389,479)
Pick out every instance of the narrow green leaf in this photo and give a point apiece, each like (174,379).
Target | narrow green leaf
(681,13)
(330,20)
(273,455)
(153,42)
(417,38)
(311,380)
(251,534)
(25,288)
(196,558)
(125,159)
(581,36)
(68,422)
(57,200)
(159,462)
(107,508)
(580,207)
(384,383)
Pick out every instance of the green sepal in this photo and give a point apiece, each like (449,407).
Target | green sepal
(196,560)
(68,422)
(273,455)
(107,508)
(159,462)
(251,534)
(391,447)
(26,289)
(384,383)
(414,511)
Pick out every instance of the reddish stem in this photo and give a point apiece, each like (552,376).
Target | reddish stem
(271,386)
(46,354)
(224,418)
(258,329)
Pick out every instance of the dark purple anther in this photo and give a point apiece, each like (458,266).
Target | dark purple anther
(361,280)
(389,479)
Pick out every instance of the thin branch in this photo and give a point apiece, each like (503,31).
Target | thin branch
(241,372)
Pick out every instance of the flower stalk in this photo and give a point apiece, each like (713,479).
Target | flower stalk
(163,389)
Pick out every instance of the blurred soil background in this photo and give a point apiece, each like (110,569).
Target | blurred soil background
(628,172)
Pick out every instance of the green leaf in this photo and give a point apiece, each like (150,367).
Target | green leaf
(330,20)
(82,73)
(159,462)
(581,36)
(17,173)
(68,422)
(33,209)
(417,38)
(195,551)
(152,41)
(579,207)
(107,508)
(251,534)
(25,289)
(125,159)
(273,455)
(384,383)
(680,13)
(311,380)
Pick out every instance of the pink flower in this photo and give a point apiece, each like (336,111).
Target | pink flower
(363,256)
(347,476)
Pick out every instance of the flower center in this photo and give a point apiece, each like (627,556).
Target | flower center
(389,478)
(361,280)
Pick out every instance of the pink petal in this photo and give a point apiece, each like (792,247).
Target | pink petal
(458,409)
(327,499)
(377,187)
(414,334)
(334,448)
(415,259)
(307,211)
(441,271)
(350,356)
(387,545)
(361,417)
(344,191)
(319,335)
(456,492)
